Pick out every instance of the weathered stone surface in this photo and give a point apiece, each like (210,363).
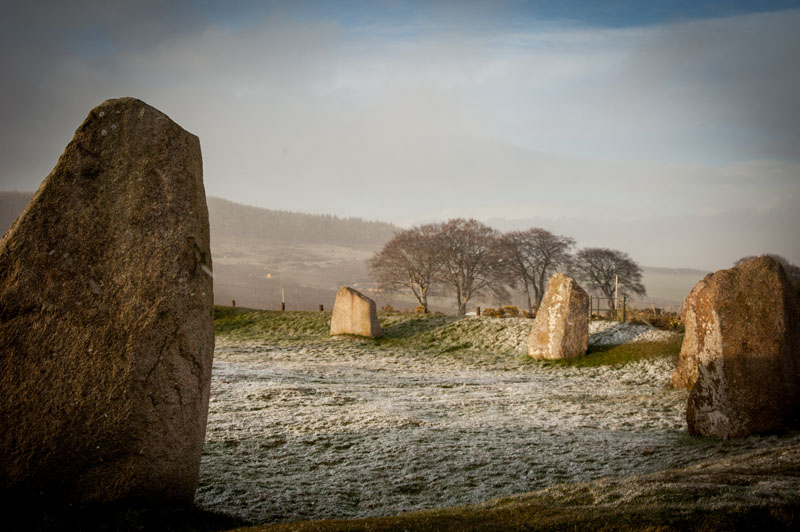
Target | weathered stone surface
(748,352)
(354,313)
(561,327)
(685,373)
(106,316)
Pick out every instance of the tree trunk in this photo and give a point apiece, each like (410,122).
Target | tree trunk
(462,305)
(540,290)
(528,293)
(419,295)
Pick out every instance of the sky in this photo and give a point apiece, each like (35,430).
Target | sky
(668,130)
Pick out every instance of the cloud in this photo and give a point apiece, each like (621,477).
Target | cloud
(437,115)
(724,84)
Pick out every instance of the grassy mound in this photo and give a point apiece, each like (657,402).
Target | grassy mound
(466,338)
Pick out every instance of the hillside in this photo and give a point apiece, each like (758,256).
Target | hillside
(256,252)
(231,220)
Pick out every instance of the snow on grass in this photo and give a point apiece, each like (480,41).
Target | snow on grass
(345,427)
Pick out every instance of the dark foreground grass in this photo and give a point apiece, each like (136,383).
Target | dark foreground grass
(128,516)
(757,490)
(535,517)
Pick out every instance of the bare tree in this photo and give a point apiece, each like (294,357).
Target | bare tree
(409,261)
(791,269)
(600,267)
(534,255)
(472,259)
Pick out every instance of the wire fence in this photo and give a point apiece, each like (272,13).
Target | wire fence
(609,307)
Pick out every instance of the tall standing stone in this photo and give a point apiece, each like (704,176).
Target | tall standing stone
(748,352)
(354,313)
(561,327)
(106,317)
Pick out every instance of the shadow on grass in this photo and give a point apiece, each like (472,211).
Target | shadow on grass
(40,516)
(406,328)
(614,355)
(546,518)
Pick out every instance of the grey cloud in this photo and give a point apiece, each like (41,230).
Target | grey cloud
(308,117)
(736,73)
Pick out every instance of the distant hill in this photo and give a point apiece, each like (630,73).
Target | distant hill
(233,220)
(257,252)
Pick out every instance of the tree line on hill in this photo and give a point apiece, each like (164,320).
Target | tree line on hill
(466,257)
(233,220)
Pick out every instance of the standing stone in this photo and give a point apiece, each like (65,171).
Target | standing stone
(106,317)
(561,327)
(685,374)
(354,313)
(748,352)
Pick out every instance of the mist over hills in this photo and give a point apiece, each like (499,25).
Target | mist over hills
(233,220)
(258,252)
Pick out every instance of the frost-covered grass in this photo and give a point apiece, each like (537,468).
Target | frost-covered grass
(439,413)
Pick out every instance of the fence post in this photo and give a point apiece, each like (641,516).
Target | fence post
(477,311)
(283,299)
(321,308)
(624,308)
